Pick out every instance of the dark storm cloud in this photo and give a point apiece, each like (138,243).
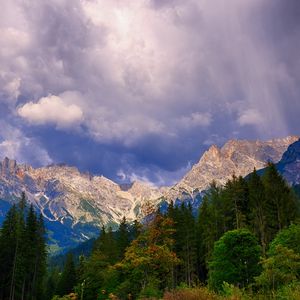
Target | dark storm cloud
(139,89)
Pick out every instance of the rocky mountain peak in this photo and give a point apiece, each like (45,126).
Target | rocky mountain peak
(8,167)
(212,153)
(82,202)
(292,154)
(237,157)
(289,165)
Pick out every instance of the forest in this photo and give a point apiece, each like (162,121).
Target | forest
(243,243)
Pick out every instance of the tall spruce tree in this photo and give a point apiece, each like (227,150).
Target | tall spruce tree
(8,246)
(68,278)
(281,202)
(258,209)
(21,241)
(122,238)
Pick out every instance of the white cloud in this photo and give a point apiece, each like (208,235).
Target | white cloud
(52,110)
(148,68)
(156,177)
(195,120)
(250,117)
(15,145)
(145,63)
(128,129)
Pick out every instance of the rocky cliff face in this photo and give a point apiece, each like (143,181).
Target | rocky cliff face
(75,205)
(289,165)
(237,157)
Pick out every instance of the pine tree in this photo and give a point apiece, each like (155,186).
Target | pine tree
(20,244)
(211,225)
(281,202)
(236,200)
(135,229)
(68,278)
(188,251)
(122,238)
(258,209)
(8,249)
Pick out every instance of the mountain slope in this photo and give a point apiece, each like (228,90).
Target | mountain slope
(74,205)
(289,165)
(237,157)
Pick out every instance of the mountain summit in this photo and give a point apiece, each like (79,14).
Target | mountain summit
(237,157)
(76,204)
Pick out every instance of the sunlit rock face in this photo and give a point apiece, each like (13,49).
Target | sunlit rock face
(237,157)
(75,205)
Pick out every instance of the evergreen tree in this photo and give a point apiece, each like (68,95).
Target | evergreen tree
(281,202)
(122,238)
(258,209)
(68,278)
(186,244)
(8,249)
(135,230)
(21,242)
(236,201)
(211,225)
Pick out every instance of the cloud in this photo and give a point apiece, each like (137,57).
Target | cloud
(195,120)
(52,110)
(250,117)
(155,80)
(15,145)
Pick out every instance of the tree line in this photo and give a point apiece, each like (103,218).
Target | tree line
(240,236)
(178,248)
(22,253)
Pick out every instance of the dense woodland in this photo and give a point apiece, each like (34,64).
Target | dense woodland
(23,254)
(244,242)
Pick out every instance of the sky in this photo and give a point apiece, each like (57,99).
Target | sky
(138,89)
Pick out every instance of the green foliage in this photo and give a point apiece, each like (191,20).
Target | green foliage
(235,259)
(185,244)
(22,253)
(258,209)
(289,238)
(141,261)
(281,202)
(149,260)
(68,278)
(281,268)
(122,238)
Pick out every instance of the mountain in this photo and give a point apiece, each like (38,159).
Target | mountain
(237,157)
(289,165)
(76,204)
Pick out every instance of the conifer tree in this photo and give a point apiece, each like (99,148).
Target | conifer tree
(22,241)
(258,209)
(68,278)
(8,246)
(122,238)
(236,201)
(281,202)
(212,219)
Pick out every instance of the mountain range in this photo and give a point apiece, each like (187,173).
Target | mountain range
(76,204)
